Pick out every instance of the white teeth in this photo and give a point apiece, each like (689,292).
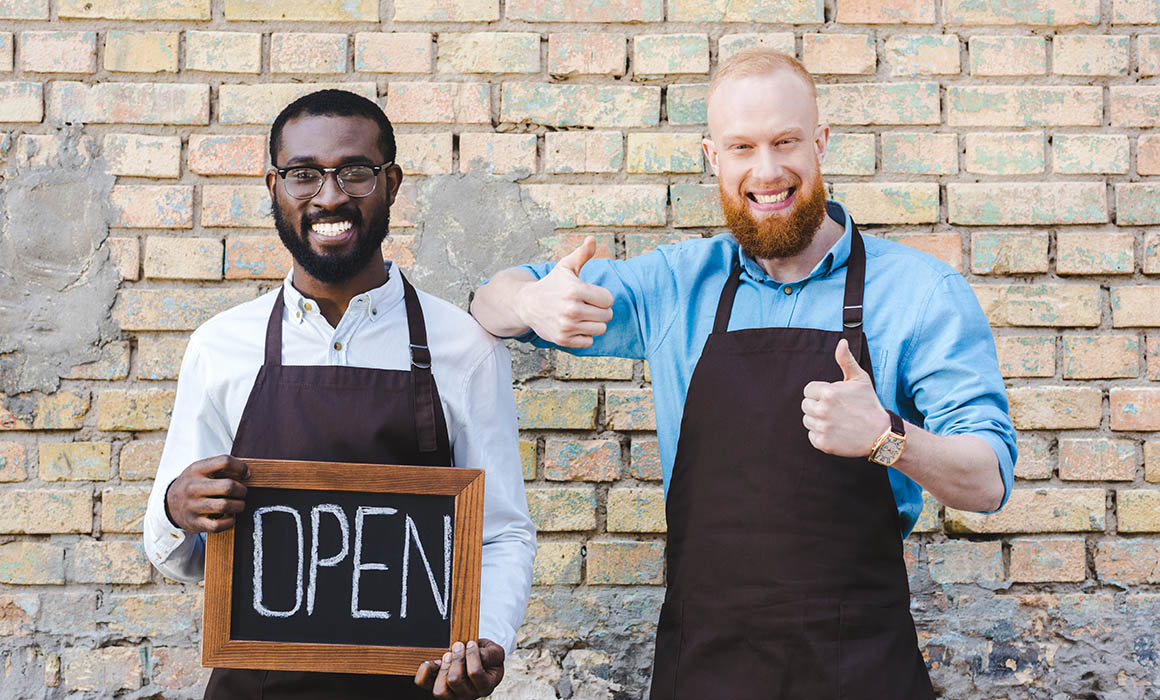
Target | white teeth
(771,198)
(331,229)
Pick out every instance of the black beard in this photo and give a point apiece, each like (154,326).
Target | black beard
(333,269)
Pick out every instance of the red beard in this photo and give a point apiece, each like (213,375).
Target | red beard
(776,236)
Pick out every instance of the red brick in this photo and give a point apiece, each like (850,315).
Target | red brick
(134,409)
(625,562)
(587,53)
(965,562)
(629,409)
(58,52)
(174,309)
(636,510)
(46,511)
(1148,154)
(556,408)
(1135,408)
(645,460)
(1048,559)
(581,460)
(129,103)
(21,102)
(139,459)
(256,257)
(1128,561)
(1026,355)
(438,103)
(1035,460)
(1100,357)
(123,509)
(234,154)
(302,52)
(582,11)
(13,462)
(159,356)
(1135,105)
(1097,459)
(1152,352)
(1138,510)
(1009,252)
(153,206)
(565,509)
(62,410)
(393,52)
(1096,253)
(1055,408)
(1136,305)
(886,12)
(1037,510)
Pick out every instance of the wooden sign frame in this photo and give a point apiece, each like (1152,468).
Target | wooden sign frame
(466,485)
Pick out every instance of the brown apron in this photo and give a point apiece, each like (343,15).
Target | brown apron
(338,414)
(785,572)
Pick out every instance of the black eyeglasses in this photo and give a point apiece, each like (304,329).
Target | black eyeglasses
(305,181)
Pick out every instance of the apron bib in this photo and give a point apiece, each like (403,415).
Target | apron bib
(338,414)
(785,572)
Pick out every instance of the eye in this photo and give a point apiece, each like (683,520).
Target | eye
(302,175)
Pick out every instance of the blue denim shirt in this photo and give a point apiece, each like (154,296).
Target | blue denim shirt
(930,344)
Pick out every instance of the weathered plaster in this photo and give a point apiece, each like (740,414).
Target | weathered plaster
(57,281)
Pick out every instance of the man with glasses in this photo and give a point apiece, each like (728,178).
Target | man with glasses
(344,362)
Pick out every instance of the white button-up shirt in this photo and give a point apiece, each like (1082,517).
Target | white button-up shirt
(472,371)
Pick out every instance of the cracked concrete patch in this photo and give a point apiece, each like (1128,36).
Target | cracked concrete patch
(57,281)
(471,226)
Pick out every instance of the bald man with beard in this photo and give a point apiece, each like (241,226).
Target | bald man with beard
(809,383)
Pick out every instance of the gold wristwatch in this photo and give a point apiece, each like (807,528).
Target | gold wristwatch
(889,446)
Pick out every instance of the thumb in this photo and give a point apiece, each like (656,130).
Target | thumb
(575,260)
(851,370)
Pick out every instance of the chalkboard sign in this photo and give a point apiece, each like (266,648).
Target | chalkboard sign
(345,567)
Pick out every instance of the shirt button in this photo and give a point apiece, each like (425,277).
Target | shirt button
(338,346)
(374,312)
(298,314)
(308,306)
(788,289)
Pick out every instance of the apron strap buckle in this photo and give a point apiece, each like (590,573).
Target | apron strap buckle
(420,356)
(852,316)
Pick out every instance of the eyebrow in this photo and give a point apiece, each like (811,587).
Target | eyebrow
(311,160)
(792,131)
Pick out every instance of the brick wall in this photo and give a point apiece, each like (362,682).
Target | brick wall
(1011,139)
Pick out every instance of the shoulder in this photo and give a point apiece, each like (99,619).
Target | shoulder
(453,334)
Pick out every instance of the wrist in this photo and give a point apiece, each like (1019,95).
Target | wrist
(891,442)
(165,503)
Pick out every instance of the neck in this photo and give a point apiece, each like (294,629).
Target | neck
(334,298)
(797,266)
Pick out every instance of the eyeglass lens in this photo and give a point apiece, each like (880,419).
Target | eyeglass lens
(355,180)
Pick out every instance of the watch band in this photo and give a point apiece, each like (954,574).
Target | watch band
(896,424)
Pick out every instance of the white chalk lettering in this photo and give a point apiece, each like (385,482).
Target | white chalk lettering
(315,515)
(360,567)
(259,607)
(412,531)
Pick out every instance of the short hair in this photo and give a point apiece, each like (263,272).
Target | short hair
(334,103)
(759,61)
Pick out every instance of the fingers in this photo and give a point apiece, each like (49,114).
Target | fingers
(597,296)
(426,674)
(458,680)
(851,370)
(575,260)
(231,468)
(817,391)
(475,670)
(439,688)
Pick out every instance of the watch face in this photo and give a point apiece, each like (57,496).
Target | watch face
(890,450)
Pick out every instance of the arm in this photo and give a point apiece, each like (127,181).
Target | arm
(845,418)
(560,308)
(199,488)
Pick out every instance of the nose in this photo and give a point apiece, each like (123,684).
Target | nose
(331,195)
(768,167)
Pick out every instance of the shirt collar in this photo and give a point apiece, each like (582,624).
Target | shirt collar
(375,303)
(836,257)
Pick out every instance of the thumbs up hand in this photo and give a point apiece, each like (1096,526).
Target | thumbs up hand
(844,418)
(561,308)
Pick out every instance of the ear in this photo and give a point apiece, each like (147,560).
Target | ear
(821,140)
(272,183)
(710,153)
(393,175)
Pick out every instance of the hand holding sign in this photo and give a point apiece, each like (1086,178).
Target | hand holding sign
(208,494)
(561,308)
(467,672)
(844,418)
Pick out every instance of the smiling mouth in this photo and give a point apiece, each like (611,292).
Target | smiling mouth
(770,198)
(332,229)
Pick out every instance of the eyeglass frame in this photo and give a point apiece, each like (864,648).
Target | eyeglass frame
(326,172)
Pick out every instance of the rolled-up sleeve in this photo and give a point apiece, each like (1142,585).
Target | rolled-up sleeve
(197,430)
(951,373)
(485,438)
(643,294)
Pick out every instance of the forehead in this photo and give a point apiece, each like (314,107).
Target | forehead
(759,104)
(323,139)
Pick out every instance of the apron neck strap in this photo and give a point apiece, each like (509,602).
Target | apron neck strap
(422,382)
(851,299)
(274,331)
